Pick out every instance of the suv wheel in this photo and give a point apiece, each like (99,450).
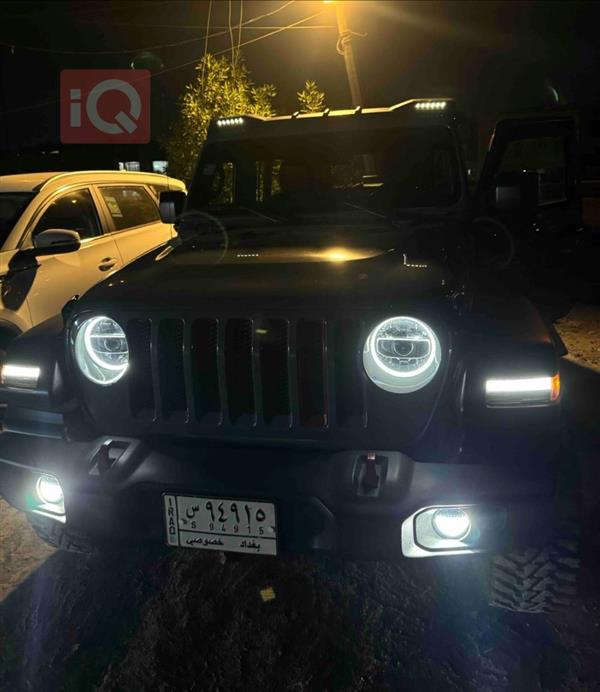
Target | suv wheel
(537,580)
(58,536)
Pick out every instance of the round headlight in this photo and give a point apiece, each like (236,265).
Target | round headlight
(101,350)
(402,354)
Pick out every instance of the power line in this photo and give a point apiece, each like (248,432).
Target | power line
(194,27)
(182,65)
(230,34)
(241,18)
(271,33)
(245,43)
(264,27)
(206,37)
(143,48)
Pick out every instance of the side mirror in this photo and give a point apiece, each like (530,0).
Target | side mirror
(516,192)
(171,204)
(55,241)
(494,244)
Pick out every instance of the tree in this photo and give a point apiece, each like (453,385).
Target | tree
(220,89)
(310,98)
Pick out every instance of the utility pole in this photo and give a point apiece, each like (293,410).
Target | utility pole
(344,48)
(3,108)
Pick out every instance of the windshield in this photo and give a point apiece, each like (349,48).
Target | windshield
(379,171)
(12,205)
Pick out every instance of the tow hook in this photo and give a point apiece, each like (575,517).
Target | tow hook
(369,474)
(107,455)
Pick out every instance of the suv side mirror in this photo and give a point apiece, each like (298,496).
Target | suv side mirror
(516,192)
(171,204)
(494,244)
(55,241)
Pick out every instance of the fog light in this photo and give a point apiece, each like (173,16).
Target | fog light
(49,490)
(451,522)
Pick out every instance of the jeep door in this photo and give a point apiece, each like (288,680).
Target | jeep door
(57,278)
(135,219)
(529,182)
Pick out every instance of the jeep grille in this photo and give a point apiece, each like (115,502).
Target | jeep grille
(274,372)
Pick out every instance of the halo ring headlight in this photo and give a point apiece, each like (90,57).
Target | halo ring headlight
(101,350)
(402,354)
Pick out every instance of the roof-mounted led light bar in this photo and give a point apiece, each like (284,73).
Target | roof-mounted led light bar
(431,105)
(228,122)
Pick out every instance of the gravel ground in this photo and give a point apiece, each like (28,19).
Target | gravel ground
(189,621)
(580,330)
(21,551)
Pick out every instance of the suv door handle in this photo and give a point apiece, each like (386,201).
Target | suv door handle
(107,263)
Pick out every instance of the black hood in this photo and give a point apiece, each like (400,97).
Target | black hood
(275,265)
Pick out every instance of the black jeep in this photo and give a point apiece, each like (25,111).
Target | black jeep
(334,355)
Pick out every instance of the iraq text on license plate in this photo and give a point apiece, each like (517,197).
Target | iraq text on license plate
(214,523)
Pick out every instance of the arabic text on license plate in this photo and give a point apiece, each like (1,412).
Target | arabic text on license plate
(214,523)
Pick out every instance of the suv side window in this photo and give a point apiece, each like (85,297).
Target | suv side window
(74,211)
(545,156)
(130,206)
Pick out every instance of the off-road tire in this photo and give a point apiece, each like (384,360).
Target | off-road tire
(58,536)
(537,580)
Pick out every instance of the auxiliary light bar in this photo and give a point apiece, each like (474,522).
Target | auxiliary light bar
(523,391)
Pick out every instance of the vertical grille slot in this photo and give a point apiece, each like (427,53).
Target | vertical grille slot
(141,394)
(312,392)
(170,368)
(349,385)
(272,338)
(205,370)
(238,371)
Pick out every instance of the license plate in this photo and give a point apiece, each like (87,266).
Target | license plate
(215,523)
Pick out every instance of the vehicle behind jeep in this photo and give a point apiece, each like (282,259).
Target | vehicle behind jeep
(321,361)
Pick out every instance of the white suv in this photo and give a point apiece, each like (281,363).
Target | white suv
(109,217)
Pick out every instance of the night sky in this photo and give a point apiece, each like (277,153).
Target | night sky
(493,56)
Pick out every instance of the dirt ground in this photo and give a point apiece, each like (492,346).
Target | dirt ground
(21,551)
(580,330)
(189,621)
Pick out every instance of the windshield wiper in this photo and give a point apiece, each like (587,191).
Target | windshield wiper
(367,211)
(259,214)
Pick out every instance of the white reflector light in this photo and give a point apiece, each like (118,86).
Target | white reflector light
(451,522)
(26,376)
(524,391)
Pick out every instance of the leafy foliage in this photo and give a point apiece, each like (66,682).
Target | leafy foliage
(310,98)
(221,88)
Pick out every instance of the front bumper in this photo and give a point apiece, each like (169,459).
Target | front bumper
(320,501)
